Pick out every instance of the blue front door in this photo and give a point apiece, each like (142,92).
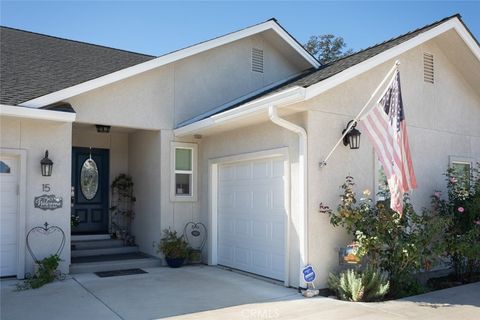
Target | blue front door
(90,168)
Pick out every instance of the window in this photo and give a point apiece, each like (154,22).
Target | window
(184,163)
(461,170)
(4,168)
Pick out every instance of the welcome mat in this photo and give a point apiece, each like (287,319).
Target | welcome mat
(116,273)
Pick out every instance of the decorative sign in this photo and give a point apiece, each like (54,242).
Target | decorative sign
(309,274)
(349,254)
(196,235)
(48,202)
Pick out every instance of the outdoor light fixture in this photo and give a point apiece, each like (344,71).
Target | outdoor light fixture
(102,128)
(46,165)
(352,137)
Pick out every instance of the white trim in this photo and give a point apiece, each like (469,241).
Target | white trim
(218,109)
(194,172)
(40,114)
(302,187)
(298,94)
(21,155)
(165,59)
(392,53)
(213,165)
(286,97)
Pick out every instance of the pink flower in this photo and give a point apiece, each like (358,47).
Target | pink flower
(437,194)
(453,180)
(461,209)
(477,222)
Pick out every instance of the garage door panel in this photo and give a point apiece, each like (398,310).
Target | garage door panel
(250,201)
(8,216)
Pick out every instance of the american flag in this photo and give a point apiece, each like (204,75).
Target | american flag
(387,129)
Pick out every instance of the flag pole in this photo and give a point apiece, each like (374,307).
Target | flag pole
(355,120)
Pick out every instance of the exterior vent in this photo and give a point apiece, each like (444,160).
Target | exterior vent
(257,60)
(428,75)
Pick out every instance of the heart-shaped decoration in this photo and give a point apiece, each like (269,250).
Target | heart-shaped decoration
(196,235)
(39,238)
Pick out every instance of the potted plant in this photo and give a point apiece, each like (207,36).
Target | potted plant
(174,248)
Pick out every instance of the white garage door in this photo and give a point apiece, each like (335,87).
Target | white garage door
(251,217)
(8,215)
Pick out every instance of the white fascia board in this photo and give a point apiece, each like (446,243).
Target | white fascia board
(283,98)
(294,44)
(38,114)
(389,54)
(163,60)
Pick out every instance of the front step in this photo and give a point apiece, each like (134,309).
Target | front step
(90,264)
(87,237)
(97,244)
(103,251)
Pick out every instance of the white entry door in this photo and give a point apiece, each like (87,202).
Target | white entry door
(8,215)
(251,216)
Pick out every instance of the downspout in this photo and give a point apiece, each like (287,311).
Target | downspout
(302,182)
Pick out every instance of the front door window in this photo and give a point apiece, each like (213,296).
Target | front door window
(89,179)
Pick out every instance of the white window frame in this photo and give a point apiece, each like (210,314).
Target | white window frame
(461,160)
(173,195)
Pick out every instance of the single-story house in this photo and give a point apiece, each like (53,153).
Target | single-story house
(228,132)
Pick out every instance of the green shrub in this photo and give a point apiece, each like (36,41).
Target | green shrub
(46,273)
(351,285)
(398,245)
(172,245)
(461,209)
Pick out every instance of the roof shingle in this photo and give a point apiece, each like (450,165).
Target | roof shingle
(32,64)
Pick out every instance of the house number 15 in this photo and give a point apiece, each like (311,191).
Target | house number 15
(46,187)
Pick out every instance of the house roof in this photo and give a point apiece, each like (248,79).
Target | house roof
(25,93)
(314,76)
(32,64)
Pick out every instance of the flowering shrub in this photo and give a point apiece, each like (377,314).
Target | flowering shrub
(399,245)
(461,210)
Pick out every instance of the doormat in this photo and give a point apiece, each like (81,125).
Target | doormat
(116,273)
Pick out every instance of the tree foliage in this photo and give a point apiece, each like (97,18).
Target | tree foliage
(327,47)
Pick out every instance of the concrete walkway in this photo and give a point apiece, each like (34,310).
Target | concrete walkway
(212,293)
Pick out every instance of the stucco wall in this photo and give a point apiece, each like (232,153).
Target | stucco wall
(265,136)
(442,121)
(35,137)
(163,97)
(144,167)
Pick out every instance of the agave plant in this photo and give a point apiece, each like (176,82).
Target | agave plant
(368,285)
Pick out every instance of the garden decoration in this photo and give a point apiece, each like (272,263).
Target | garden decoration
(122,212)
(196,235)
(350,254)
(46,268)
(36,233)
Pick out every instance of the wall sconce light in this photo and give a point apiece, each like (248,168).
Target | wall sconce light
(352,137)
(102,128)
(46,164)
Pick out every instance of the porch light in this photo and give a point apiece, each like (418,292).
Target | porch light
(46,164)
(102,128)
(352,137)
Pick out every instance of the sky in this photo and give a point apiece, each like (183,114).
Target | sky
(158,27)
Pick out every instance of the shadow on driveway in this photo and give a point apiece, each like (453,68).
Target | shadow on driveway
(203,292)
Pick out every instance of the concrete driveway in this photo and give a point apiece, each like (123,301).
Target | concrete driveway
(211,293)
